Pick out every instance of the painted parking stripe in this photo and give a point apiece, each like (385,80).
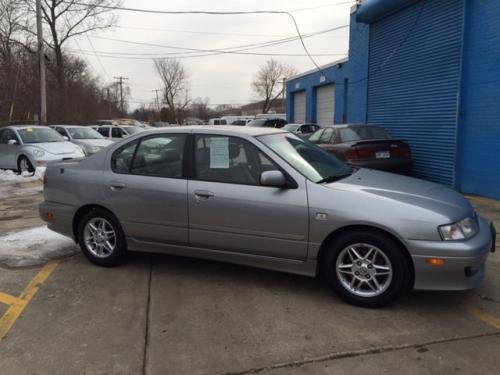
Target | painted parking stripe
(486,317)
(7,299)
(18,304)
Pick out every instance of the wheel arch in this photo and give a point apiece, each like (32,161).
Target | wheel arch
(340,231)
(84,210)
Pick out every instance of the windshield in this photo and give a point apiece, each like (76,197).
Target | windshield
(257,123)
(358,133)
(132,129)
(39,135)
(291,127)
(308,159)
(84,133)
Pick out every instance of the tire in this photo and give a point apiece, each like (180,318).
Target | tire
(378,266)
(24,165)
(98,244)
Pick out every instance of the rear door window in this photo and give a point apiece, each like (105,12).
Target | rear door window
(103,130)
(160,156)
(326,136)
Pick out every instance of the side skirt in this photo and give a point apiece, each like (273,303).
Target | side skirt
(307,268)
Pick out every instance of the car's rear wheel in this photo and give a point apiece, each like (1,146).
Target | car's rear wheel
(367,268)
(101,238)
(24,165)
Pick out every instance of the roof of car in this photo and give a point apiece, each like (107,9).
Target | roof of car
(27,126)
(345,125)
(228,129)
(71,126)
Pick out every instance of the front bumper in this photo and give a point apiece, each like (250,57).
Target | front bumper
(43,161)
(464,261)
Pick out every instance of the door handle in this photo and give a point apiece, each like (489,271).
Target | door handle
(202,195)
(117,186)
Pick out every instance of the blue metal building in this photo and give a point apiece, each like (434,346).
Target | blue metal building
(427,70)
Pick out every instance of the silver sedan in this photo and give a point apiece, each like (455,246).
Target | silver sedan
(84,136)
(266,198)
(25,147)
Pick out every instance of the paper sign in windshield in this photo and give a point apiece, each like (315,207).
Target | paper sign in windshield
(219,152)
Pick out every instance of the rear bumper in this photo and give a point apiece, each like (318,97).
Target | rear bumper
(59,217)
(390,165)
(464,266)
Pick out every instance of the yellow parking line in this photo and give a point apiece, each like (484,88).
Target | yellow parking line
(7,299)
(486,317)
(19,304)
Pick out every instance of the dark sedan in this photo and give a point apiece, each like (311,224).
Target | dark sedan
(365,146)
(301,130)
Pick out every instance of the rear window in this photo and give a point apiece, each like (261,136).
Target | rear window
(360,133)
(257,123)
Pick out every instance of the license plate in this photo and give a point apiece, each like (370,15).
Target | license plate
(382,154)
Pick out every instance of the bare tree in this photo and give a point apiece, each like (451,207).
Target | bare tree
(66,19)
(267,83)
(175,86)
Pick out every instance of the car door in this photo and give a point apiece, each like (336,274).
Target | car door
(146,188)
(229,209)
(8,153)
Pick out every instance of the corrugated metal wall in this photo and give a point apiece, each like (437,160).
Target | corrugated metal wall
(479,125)
(299,107)
(325,105)
(414,81)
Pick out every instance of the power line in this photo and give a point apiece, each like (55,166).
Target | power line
(204,12)
(98,58)
(233,49)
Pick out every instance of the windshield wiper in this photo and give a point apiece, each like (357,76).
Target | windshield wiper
(333,178)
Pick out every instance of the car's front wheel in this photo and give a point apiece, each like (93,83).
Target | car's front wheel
(24,165)
(101,238)
(367,268)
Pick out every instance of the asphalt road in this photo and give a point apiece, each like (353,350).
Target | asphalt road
(170,315)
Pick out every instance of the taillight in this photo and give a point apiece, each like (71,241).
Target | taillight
(402,151)
(360,153)
(351,155)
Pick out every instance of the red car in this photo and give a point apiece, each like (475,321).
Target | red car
(365,146)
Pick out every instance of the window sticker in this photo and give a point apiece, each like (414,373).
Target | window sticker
(219,152)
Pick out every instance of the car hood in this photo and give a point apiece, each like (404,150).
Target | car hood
(56,148)
(93,142)
(408,190)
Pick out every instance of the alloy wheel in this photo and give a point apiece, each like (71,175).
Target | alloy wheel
(364,270)
(99,237)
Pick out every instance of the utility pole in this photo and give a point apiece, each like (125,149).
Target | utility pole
(283,94)
(157,103)
(120,82)
(41,61)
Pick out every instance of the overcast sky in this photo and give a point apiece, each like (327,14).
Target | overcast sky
(222,78)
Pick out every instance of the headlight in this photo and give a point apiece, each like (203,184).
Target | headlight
(460,230)
(94,149)
(38,153)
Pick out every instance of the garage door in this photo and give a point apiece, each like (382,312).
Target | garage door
(325,105)
(299,107)
(414,77)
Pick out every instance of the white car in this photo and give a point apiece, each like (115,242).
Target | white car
(25,147)
(117,132)
(84,136)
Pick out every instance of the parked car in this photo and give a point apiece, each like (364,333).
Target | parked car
(84,136)
(117,132)
(267,198)
(25,147)
(267,123)
(217,121)
(365,146)
(301,130)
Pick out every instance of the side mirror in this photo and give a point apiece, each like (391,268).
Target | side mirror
(273,178)
(65,138)
(12,142)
